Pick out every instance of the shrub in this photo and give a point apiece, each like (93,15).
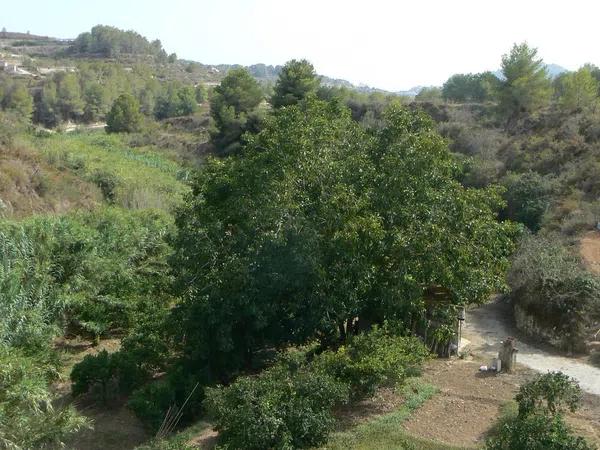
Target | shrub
(277,409)
(548,283)
(536,432)
(151,402)
(107,182)
(124,116)
(94,371)
(539,424)
(549,393)
(371,360)
(28,418)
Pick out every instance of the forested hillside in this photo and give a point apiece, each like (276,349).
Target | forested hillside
(210,251)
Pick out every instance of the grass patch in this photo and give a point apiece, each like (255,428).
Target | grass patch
(178,441)
(385,432)
(144,178)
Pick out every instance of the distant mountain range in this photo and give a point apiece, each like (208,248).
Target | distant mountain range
(553,70)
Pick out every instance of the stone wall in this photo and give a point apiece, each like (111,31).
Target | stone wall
(530,326)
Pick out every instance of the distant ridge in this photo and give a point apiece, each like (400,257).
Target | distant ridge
(553,70)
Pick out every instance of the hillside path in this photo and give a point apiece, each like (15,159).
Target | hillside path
(489,324)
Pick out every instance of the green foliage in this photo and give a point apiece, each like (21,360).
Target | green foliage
(296,81)
(151,402)
(107,182)
(91,270)
(94,369)
(319,222)
(176,101)
(479,87)
(537,432)
(200,93)
(527,197)
(15,97)
(550,394)
(579,90)
(539,424)
(526,86)
(234,110)
(181,390)
(112,42)
(68,94)
(548,283)
(28,304)
(429,94)
(124,116)
(371,360)
(276,409)
(29,419)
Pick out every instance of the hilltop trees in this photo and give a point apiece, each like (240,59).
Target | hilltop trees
(234,110)
(112,42)
(296,81)
(124,116)
(175,101)
(318,223)
(470,87)
(526,86)
(579,90)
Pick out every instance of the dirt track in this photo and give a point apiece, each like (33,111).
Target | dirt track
(489,324)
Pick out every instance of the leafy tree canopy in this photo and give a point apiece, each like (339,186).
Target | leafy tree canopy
(318,222)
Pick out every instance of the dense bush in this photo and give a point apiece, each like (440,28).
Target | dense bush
(124,116)
(277,409)
(550,393)
(527,197)
(372,359)
(107,182)
(548,283)
(537,432)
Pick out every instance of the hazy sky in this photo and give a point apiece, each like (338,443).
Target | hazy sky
(387,44)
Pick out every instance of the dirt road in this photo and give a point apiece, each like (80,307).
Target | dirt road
(487,325)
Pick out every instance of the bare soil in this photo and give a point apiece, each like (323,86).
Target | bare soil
(115,427)
(589,247)
(468,404)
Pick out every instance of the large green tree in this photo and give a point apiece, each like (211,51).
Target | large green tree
(297,79)
(319,222)
(234,110)
(526,86)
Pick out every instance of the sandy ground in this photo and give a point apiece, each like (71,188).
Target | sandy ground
(468,404)
(590,250)
(489,324)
